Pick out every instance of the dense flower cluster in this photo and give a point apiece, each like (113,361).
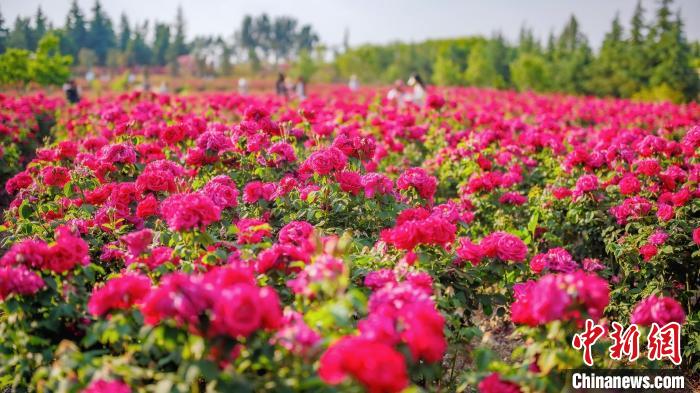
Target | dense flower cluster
(657,309)
(560,297)
(252,243)
(228,296)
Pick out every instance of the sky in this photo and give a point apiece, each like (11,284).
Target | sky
(377,21)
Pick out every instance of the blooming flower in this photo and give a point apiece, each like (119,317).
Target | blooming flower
(657,309)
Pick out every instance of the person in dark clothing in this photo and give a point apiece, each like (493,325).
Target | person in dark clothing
(281,86)
(71,90)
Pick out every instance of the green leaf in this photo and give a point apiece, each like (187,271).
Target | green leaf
(25,211)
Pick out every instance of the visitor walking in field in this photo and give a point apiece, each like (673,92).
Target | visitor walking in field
(281,86)
(419,91)
(300,88)
(397,95)
(71,91)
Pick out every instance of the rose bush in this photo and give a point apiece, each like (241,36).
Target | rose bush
(218,242)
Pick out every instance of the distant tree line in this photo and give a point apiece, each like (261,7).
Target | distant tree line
(649,60)
(95,40)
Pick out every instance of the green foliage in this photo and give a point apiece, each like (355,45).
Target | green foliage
(530,72)
(481,68)
(446,72)
(45,67)
(14,67)
(305,67)
(48,66)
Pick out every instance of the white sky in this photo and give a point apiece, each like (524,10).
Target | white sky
(377,21)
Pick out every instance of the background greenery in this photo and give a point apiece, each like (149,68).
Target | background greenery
(647,58)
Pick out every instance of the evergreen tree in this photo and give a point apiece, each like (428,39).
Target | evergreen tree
(671,55)
(446,72)
(76,31)
(527,43)
(161,43)
(638,61)
(21,35)
(609,71)
(3,34)
(124,33)
(500,55)
(531,71)
(137,50)
(571,59)
(101,34)
(40,28)
(178,45)
(550,50)
(481,68)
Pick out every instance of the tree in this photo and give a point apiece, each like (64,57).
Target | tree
(14,67)
(530,71)
(124,33)
(161,44)
(671,56)
(40,28)
(178,47)
(76,30)
(246,40)
(481,69)
(3,34)
(306,39)
(527,43)
(225,66)
(283,37)
(21,35)
(101,34)
(609,72)
(138,51)
(638,61)
(48,66)
(500,55)
(446,72)
(262,35)
(570,59)
(305,66)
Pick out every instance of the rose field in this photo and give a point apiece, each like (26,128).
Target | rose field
(218,242)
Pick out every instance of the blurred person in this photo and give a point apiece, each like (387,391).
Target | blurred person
(354,84)
(242,86)
(163,88)
(281,86)
(90,76)
(300,88)
(71,91)
(146,85)
(397,94)
(419,90)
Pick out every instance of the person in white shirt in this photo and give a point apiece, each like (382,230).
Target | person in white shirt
(419,91)
(353,84)
(396,94)
(242,86)
(300,88)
